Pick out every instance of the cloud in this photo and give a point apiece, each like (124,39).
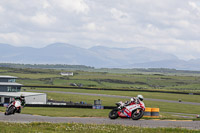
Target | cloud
(43,19)
(14,37)
(46,4)
(93,27)
(118,15)
(1,9)
(195,7)
(169,26)
(78,6)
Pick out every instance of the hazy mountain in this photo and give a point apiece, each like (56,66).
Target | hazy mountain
(132,55)
(57,53)
(60,53)
(177,64)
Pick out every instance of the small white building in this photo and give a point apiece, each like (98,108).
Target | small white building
(67,73)
(30,97)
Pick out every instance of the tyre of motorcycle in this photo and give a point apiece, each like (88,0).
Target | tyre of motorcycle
(113,114)
(137,116)
(11,110)
(18,110)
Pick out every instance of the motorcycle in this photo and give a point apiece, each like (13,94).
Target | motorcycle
(13,107)
(134,111)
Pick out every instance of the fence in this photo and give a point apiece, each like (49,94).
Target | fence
(64,106)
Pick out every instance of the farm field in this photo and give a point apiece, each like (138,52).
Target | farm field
(161,81)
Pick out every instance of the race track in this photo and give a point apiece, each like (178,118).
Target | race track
(24,118)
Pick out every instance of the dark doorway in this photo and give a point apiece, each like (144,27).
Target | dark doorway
(6,100)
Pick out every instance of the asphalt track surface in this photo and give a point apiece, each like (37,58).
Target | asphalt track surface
(25,118)
(116,96)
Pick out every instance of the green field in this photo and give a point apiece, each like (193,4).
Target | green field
(154,95)
(83,128)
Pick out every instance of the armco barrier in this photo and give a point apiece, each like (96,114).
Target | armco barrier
(64,106)
(58,106)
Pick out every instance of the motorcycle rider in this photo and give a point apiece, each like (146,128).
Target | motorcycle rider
(22,100)
(130,109)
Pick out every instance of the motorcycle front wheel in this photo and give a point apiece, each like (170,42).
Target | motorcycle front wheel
(10,111)
(137,115)
(113,114)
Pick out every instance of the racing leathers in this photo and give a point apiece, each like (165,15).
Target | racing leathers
(133,100)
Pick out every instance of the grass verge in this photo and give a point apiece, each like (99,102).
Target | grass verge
(78,112)
(110,101)
(83,128)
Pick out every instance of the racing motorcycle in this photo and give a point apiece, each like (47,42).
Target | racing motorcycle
(13,107)
(134,111)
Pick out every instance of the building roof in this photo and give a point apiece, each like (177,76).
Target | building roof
(17,94)
(10,84)
(7,77)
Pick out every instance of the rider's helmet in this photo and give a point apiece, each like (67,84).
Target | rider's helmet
(22,97)
(140,97)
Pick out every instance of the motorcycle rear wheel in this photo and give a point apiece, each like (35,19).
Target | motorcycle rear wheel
(113,114)
(137,116)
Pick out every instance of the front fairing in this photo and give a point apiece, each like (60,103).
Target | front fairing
(142,105)
(17,103)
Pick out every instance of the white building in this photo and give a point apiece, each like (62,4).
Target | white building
(67,73)
(10,89)
(31,98)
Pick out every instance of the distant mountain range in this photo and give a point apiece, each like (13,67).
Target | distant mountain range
(99,57)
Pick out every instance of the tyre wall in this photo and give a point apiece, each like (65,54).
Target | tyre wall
(152,112)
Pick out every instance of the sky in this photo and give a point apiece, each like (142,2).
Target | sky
(171,26)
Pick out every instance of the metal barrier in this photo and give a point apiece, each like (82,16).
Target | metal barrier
(58,106)
(64,106)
